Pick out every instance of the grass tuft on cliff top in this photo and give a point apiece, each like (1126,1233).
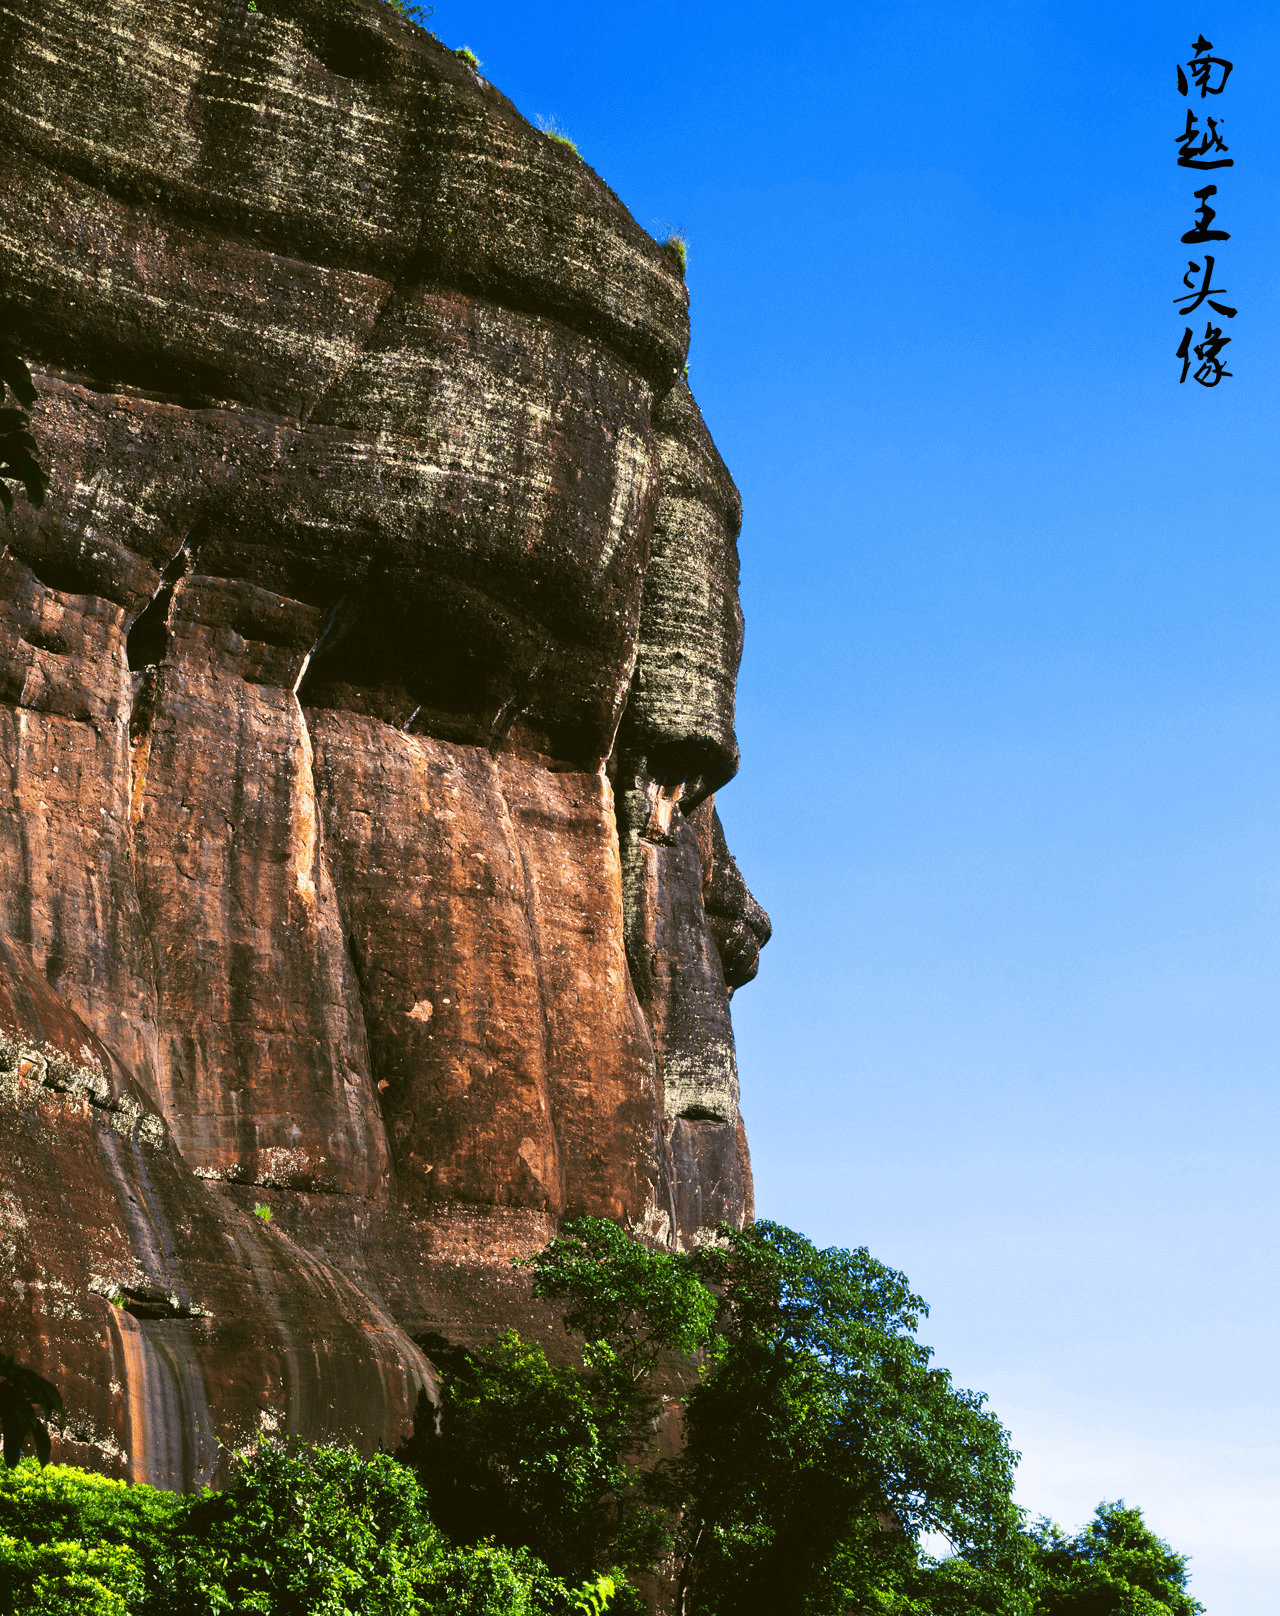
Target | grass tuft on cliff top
(677,247)
(552,130)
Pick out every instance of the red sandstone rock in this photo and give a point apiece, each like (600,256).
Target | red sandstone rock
(176,1326)
(363,683)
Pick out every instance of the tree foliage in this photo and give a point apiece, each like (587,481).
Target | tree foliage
(618,1290)
(1114,1566)
(557,1456)
(74,1541)
(532,1454)
(820,1444)
(317,1532)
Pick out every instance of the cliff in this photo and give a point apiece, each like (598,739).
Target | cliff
(365,684)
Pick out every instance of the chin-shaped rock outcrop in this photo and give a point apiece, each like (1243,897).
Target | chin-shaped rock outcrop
(365,682)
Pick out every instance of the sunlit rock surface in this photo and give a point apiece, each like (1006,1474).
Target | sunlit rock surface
(365,684)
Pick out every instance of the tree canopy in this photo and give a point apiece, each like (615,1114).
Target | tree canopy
(1114,1566)
(819,1443)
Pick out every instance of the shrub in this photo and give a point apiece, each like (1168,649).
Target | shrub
(310,1533)
(104,1579)
(71,1541)
(486,1580)
(316,1532)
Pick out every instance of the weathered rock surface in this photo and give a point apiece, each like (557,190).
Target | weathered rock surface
(174,1321)
(365,682)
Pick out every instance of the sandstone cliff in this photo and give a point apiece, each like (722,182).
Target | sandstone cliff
(365,683)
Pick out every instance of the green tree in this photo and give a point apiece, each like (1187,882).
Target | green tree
(529,1453)
(1114,1566)
(1000,1584)
(820,1444)
(558,1456)
(640,1301)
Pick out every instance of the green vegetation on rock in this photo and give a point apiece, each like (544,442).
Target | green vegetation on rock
(552,130)
(411,12)
(677,248)
(320,1532)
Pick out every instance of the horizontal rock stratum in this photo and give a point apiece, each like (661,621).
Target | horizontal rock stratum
(365,684)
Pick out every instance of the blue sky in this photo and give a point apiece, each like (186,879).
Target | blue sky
(1009,706)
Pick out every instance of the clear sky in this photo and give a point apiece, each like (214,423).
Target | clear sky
(1009,707)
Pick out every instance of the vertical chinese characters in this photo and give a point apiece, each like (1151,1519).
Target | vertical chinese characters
(1203,148)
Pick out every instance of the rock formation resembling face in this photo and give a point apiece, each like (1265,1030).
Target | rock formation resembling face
(365,683)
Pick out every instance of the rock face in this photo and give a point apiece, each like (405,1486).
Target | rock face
(365,683)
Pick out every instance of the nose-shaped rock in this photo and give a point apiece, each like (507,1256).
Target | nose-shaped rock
(739,925)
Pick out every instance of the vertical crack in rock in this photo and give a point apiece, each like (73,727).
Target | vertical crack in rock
(342,618)
(350,955)
(351,952)
(146,647)
(149,636)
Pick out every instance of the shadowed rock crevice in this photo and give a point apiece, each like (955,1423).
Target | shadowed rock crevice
(146,647)
(141,1304)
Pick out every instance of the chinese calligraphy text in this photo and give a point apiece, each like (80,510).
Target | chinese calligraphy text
(1203,148)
